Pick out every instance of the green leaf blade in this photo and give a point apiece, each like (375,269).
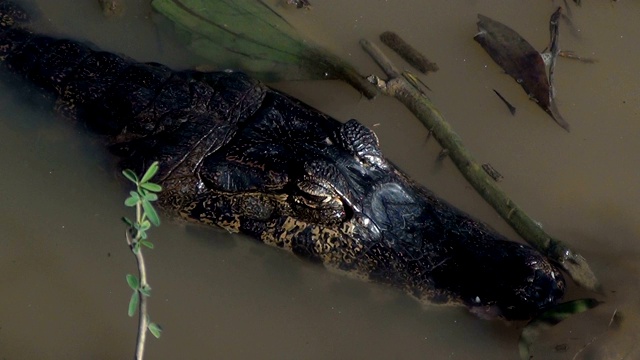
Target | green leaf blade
(130,201)
(245,32)
(150,197)
(133,303)
(153,187)
(151,172)
(133,199)
(155,329)
(129,174)
(151,213)
(148,244)
(133,282)
(127,221)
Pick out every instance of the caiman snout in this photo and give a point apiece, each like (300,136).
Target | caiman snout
(501,278)
(418,242)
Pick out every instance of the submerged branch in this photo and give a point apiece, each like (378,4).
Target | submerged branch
(398,87)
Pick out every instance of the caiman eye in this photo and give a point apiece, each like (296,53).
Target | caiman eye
(320,195)
(316,203)
(316,195)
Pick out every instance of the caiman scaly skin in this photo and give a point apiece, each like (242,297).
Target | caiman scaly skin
(239,155)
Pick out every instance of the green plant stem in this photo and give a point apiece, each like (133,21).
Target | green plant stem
(143,317)
(398,87)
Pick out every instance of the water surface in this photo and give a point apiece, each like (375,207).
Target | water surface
(63,257)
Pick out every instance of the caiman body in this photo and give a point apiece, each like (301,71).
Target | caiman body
(239,155)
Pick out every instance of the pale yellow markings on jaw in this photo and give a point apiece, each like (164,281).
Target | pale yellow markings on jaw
(325,243)
(348,227)
(232,226)
(269,235)
(285,238)
(267,238)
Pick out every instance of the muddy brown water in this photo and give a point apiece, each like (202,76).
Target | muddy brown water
(63,257)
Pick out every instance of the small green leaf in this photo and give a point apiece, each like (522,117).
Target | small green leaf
(146,290)
(155,329)
(133,199)
(153,169)
(127,221)
(150,197)
(136,248)
(141,233)
(145,225)
(151,187)
(133,303)
(150,212)
(133,282)
(147,243)
(130,201)
(129,174)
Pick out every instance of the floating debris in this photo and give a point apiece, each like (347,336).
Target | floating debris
(444,153)
(573,56)
(112,8)
(512,109)
(408,52)
(520,60)
(415,82)
(300,3)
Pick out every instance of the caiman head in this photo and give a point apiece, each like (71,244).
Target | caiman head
(249,159)
(297,179)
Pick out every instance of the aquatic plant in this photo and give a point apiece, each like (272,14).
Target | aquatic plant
(252,36)
(137,238)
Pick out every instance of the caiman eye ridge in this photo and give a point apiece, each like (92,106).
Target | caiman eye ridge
(239,155)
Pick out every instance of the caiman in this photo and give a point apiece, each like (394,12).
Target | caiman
(239,155)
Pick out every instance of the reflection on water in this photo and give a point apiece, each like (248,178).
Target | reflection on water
(63,257)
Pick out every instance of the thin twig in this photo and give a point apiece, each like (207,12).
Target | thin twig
(512,109)
(143,317)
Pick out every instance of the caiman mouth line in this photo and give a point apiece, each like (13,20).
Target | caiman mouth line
(239,155)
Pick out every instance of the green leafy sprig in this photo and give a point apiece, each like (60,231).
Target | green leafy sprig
(146,216)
